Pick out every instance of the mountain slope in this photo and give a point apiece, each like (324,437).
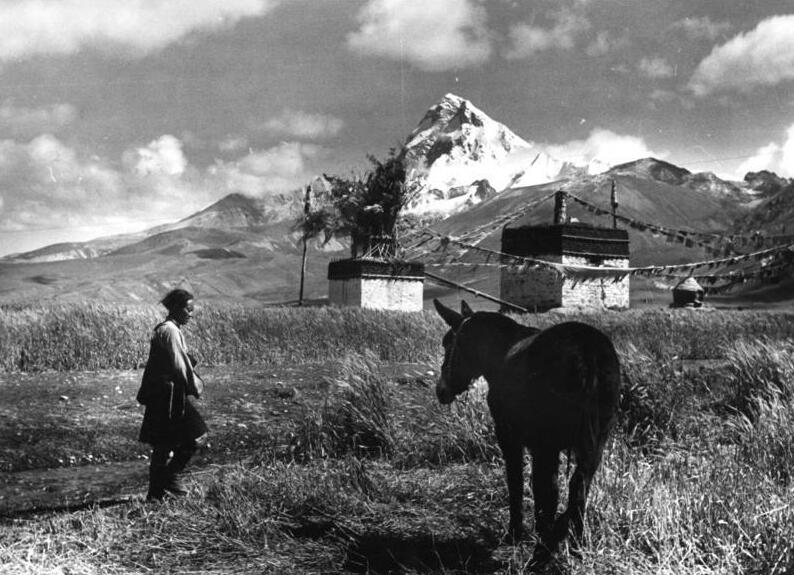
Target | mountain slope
(240,211)
(774,212)
(640,197)
(262,219)
(646,192)
(456,149)
(667,173)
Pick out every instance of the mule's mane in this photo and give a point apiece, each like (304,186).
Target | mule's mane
(518,336)
(511,329)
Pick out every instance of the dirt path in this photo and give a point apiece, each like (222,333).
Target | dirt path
(69,487)
(247,407)
(59,488)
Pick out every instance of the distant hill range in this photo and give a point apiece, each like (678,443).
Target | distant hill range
(468,169)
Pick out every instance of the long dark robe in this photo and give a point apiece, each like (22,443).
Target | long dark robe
(168,389)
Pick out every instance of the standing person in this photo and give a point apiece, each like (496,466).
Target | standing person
(171,423)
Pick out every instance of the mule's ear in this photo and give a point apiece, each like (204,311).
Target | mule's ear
(450,316)
(465,309)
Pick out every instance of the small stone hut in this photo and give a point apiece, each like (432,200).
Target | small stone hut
(688,293)
(541,289)
(376,284)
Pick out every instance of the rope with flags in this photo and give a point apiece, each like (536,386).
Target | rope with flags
(602,271)
(773,263)
(714,242)
(418,238)
(769,264)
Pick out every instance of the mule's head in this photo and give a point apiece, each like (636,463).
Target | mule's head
(459,369)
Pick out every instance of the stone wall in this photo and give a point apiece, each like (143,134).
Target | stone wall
(596,294)
(536,289)
(390,293)
(541,289)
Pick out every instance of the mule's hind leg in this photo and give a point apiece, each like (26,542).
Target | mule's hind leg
(545,467)
(579,488)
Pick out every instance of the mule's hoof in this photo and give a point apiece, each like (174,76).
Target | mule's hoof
(540,558)
(515,533)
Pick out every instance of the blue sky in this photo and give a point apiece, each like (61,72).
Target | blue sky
(119,115)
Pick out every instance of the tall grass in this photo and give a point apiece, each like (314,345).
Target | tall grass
(759,368)
(355,417)
(89,337)
(670,334)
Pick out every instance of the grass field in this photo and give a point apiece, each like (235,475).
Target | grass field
(367,472)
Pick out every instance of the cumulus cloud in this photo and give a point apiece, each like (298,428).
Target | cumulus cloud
(701,28)
(605,42)
(47,185)
(603,149)
(775,157)
(232,144)
(163,156)
(44,183)
(277,170)
(35,27)
(526,40)
(655,68)
(23,123)
(299,124)
(763,56)
(434,36)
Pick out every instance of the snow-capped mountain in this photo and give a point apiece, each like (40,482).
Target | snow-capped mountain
(458,156)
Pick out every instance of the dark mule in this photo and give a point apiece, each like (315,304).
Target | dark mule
(549,391)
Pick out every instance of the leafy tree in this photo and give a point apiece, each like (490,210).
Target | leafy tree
(364,208)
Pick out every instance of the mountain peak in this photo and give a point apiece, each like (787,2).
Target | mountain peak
(455,120)
(655,169)
(667,173)
(456,147)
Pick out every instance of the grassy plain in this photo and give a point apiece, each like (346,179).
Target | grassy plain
(370,474)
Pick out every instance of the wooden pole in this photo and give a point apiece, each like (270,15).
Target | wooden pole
(614,202)
(439,279)
(306,209)
(560,207)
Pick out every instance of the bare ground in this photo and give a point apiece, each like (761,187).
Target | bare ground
(69,440)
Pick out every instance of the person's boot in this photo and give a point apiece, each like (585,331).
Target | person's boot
(176,466)
(158,474)
(175,486)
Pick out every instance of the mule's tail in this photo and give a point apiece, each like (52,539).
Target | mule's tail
(609,378)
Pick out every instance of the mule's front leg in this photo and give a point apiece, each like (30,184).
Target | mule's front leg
(513,453)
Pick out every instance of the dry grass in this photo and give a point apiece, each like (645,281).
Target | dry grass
(694,481)
(89,337)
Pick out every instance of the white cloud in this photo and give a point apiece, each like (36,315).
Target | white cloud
(434,36)
(276,170)
(233,144)
(775,157)
(34,27)
(47,185)
(763,56)
(21,122)
(44,183)
(163,156)
(603,149)
(606,42)
(655,68)
(299,124)
(527,40)
(701,28)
